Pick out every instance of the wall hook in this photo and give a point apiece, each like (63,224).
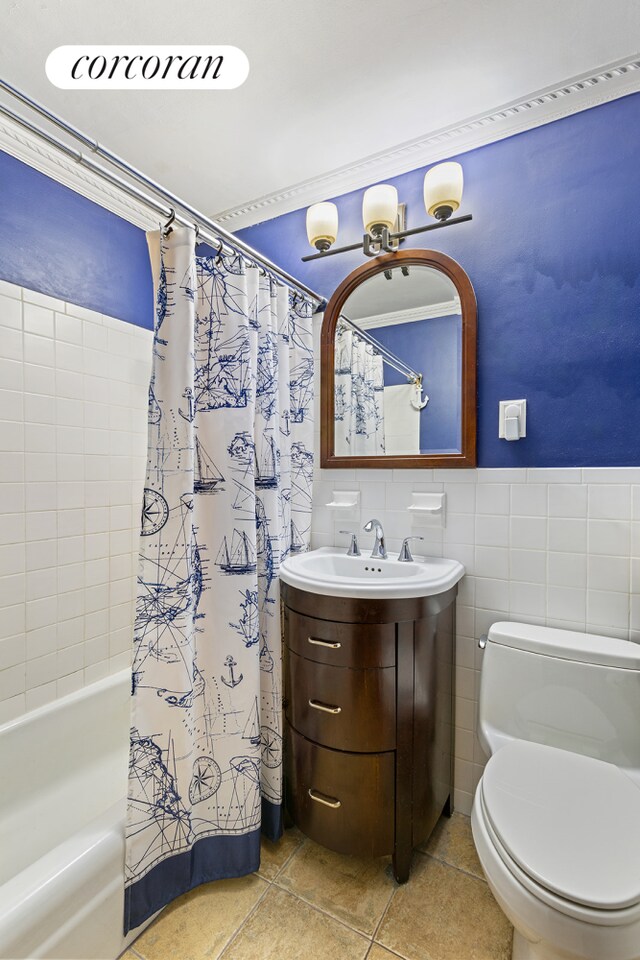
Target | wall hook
(418,403)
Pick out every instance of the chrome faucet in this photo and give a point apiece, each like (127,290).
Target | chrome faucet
(379,551)
(354,549)
(405,551)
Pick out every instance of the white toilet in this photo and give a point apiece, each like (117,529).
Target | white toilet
(556,816)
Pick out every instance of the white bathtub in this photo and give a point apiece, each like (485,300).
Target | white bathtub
(63,771)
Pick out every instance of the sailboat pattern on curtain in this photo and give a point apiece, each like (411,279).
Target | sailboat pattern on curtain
(359,396)
(228,496)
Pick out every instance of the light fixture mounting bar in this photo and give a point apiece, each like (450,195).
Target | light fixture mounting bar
(392,236)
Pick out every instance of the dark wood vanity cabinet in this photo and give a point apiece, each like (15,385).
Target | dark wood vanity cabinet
(369,710)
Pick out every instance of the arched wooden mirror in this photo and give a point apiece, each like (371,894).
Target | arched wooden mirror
(398,330)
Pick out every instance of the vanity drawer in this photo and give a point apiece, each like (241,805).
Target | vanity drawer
(341,707)
(341,644)
(344,801)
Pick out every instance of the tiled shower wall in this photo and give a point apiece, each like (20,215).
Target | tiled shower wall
(73,400)
(551,546)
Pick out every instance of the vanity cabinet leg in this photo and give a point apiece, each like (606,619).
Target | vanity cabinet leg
(402,863)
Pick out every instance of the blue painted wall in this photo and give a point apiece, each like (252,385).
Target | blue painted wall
(433,348)
(54,241)
(553,252)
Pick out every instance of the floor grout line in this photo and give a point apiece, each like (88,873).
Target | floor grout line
(447,863)
(385,912)
(245,920)
(392,953)
(293,854)
(325,913)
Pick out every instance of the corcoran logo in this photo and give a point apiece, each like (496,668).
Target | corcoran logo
(147,68)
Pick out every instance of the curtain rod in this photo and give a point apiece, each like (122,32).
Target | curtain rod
(384,352)
(212,232)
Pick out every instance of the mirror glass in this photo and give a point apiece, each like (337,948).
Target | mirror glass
(398,365)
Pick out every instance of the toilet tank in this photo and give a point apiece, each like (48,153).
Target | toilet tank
(576,691)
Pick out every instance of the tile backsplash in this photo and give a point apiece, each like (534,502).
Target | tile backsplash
(73,404)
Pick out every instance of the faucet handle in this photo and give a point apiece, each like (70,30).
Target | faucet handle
(405,555)
(354,549)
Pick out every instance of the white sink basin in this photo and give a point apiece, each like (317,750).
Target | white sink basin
(331,573)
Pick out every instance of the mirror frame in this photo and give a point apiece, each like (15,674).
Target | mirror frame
(462,283)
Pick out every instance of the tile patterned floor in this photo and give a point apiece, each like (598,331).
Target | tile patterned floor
(307,903)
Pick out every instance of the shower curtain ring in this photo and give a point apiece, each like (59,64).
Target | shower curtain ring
(166,230)
(197,228)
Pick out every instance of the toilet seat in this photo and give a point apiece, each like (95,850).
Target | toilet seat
(567,826)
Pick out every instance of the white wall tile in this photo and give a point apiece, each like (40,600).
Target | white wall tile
(10,313)
(492,562)
(10,290)
(567,569)
(12,344)
(567,603)
(12,405)
(492,498)
(69,329)
(567,535)
(39,350)
(611,537)
(42,299)
(12,528)
(529,533)
(609,573)
(492,531)
(526,599)
(554,475)
(608,609)
(529,499)
(528,565)
(40,380)
(38,320)
(11,436)
(11,374)
(58,421)
(609,501)
(567,500)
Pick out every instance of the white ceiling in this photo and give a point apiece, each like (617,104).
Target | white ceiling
(331,81)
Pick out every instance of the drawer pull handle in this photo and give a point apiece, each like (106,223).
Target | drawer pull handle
(321,798)
(325,707)
(324,643)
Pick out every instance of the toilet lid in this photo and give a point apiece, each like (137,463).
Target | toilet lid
(570,822)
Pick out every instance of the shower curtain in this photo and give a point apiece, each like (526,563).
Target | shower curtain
(359,405)
(227,498)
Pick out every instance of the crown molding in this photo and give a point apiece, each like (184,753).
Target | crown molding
(544,106)
(551,103)
(410,315)
(56,164)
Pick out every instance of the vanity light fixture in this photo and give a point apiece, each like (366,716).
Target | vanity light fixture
(442,197)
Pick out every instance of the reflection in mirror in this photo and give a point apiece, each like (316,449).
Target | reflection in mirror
(398,365)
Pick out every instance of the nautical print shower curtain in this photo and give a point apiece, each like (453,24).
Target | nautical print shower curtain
(359,402)
(227,498)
